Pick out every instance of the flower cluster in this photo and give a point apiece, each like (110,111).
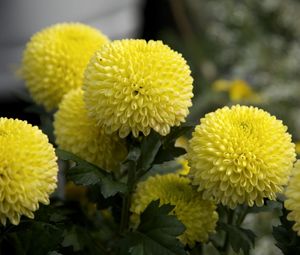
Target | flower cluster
(106,91)
(28,174)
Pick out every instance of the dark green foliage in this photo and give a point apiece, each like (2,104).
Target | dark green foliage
(86,174)
(286,238)
(156,233)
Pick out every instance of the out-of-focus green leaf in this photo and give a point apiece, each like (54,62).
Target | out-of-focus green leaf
(286,238)
(239,238)
(164,168)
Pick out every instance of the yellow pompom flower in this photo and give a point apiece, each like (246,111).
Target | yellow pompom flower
(76,132)
(199,216)
(239,90)
(28,170)
(135,86)
(292,201)
(240,155)
(55,58)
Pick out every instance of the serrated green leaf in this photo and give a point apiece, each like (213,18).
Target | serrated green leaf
(157,233)
(37,238)
(86,174)
(239,238)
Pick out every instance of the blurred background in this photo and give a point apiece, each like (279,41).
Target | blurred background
(245,52)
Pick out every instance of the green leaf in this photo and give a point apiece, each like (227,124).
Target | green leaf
(286,238)
(239,238)
(86,174)
(149,149)
(270,206)
(37,238)
(156,234)
(164,168)
(176,132)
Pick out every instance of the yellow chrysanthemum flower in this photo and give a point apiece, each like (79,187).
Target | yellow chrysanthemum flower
(199,216)
(76,132)
(28,170)
(292,193)
(135,86)
(240,155)
(55,58)
(238,90)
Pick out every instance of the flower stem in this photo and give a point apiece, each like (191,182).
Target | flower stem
(131,181)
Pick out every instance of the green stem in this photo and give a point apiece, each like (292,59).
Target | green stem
(131,181)
(225,247)
(242,216)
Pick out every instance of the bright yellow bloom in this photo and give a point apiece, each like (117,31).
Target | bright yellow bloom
(238,90)
(135,86)
(55,58)
(240,155)
(28,170)
(78,133)
(198,215)
(292,202)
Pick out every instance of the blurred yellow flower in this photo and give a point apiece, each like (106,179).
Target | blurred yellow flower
(55,58)
(135,86)
(76,132)
(298,147)
(28,170)
(292,202)
(199,216)
(240,155)
(238,90)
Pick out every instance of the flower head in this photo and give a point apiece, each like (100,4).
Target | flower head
(240,155)
(78,133)
(28,170)
(135,86)
(292,193)
(238,90)
(198,215)
(55,58)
